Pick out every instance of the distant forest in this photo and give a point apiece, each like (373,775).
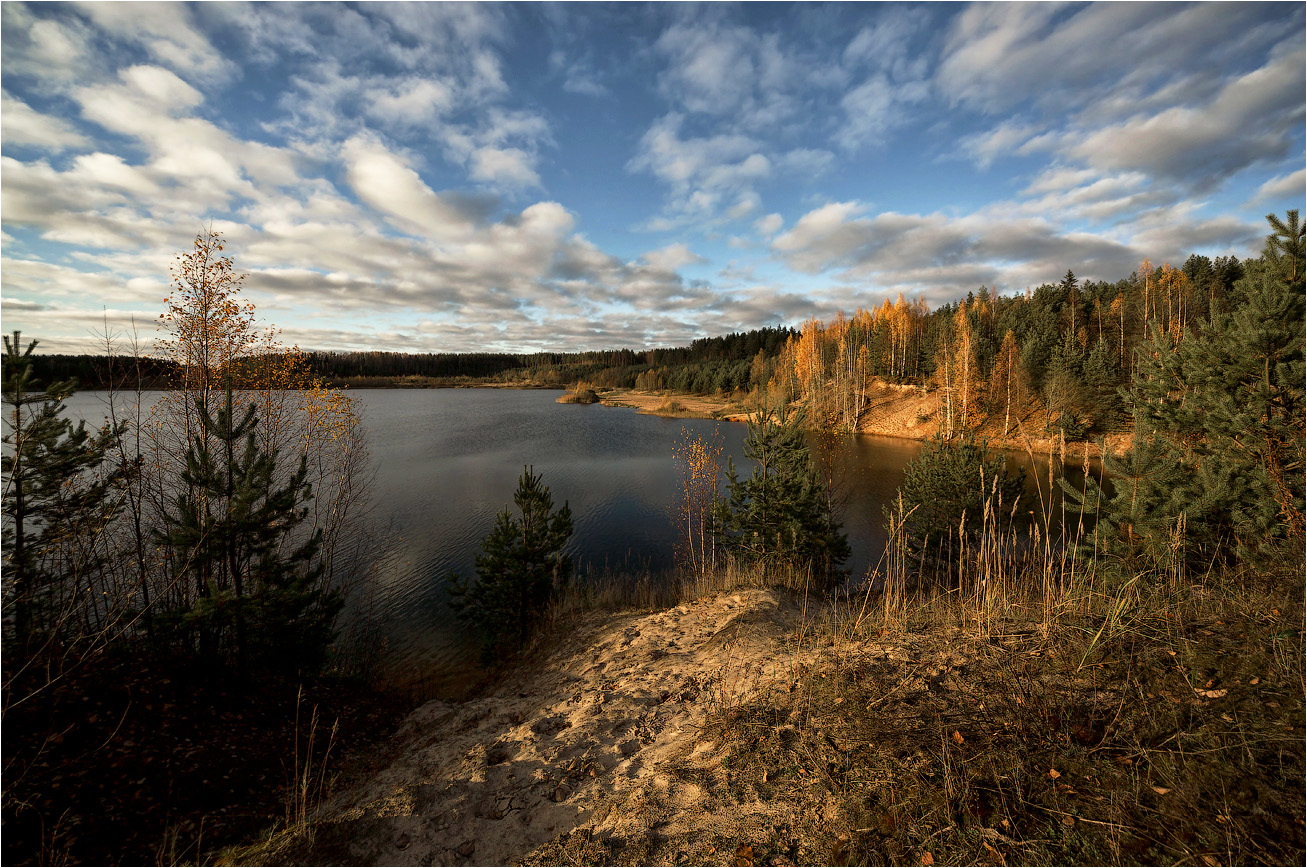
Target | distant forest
(1067,347)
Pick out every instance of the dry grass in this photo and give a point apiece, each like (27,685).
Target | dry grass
(1162,725)
(1019,708)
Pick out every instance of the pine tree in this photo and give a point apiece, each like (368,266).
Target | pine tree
(1135,532)
(1220,422)
(781,514)
(522,565)
(260,596)
(57,488)
(946,488)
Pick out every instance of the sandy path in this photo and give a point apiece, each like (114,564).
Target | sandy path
(562,742)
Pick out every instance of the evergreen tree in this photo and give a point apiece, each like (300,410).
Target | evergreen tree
(57,489)
(260,591)
(1220,426)
(781,513)
(947,487)
(522,565)
(1102,380)
(1137,527)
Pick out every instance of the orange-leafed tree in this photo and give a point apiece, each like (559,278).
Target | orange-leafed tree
(699,466)
(1008,380)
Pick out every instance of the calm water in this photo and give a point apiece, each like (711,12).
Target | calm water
(447,460)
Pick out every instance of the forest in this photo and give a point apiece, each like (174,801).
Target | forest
(1066,348)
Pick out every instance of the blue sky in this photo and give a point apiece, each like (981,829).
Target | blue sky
(517,177)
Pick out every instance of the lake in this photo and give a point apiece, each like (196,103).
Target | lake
(447,460)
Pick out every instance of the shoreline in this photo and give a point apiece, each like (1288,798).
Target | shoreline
(893,411)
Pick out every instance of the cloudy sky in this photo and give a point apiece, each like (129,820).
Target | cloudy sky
(443,177)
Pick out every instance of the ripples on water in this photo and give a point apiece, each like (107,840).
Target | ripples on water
(448,460)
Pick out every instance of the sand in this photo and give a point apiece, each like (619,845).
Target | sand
(582,740)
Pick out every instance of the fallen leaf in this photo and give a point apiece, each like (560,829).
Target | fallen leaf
(1275,612)
(744,855)
(957,737)
(997,855)
(1211,694)
(1068,820)
(839,699)
(927,859)
(1255,681)
(1209,861)
(1227,718)
(1054,774)
(1161,791)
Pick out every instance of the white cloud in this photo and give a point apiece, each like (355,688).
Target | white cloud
(507,167)
(1253,118)
(711,68)
(769,225)
(702,172)
(51,54)
(672,257)
(409,102)
(1008,139)
(942,256)
(1292,184)
(166,31)
(20,124)
(386,183)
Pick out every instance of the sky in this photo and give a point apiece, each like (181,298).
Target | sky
(440,177)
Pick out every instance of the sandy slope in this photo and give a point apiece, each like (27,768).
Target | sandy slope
(895,410)
(582,738)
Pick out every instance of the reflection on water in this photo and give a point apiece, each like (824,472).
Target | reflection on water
(447,460)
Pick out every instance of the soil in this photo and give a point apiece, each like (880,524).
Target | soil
(581,738)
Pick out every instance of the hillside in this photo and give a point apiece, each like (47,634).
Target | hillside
(756,728)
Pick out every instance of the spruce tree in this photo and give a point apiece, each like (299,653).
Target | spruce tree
(57,487)
(781,514)
(522,565)
(233,529)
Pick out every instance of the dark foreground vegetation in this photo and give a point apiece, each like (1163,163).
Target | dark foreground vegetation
(998,688)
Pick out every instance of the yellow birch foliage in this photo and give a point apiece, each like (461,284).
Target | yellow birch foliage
(699,466)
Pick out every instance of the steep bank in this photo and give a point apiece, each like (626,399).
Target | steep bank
(892,410)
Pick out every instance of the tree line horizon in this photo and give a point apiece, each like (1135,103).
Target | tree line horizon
(1066,346)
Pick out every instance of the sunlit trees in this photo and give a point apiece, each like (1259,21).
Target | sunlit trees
(1216,468)
(699,468)
(1007,383)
